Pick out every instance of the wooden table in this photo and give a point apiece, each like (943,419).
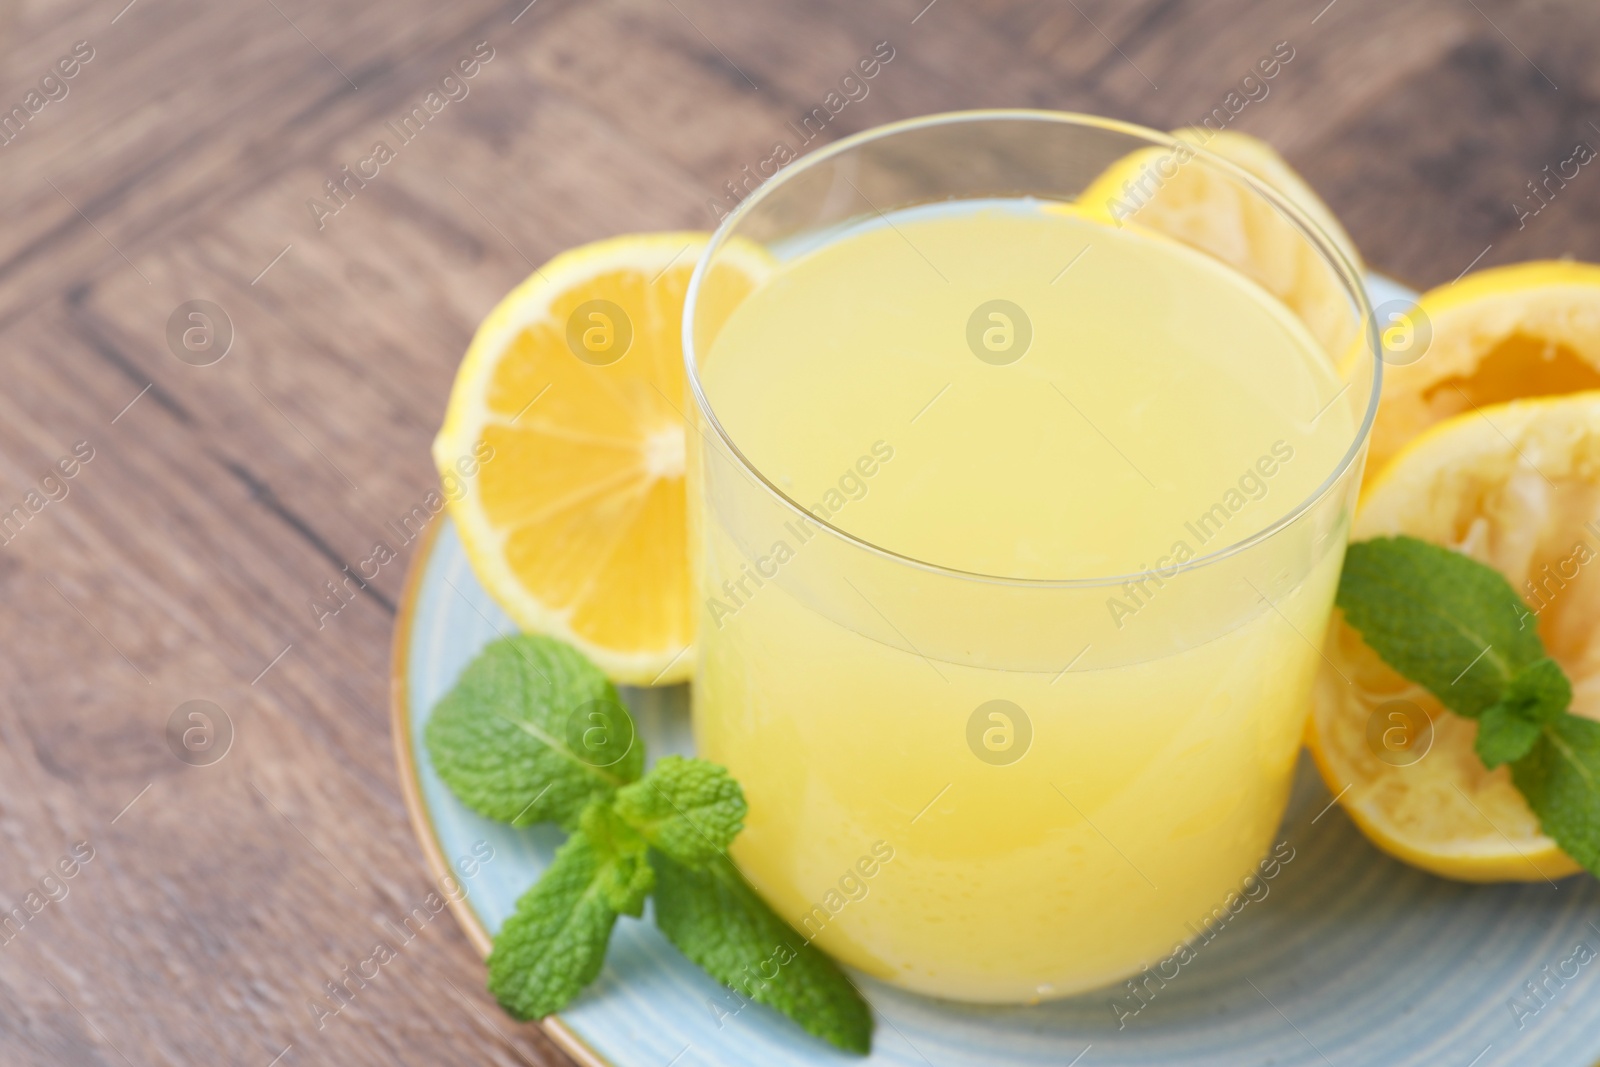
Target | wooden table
(187,554)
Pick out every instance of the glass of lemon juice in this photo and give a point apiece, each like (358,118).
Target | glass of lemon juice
(1020,491)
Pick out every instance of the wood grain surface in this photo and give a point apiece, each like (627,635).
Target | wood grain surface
(183,559)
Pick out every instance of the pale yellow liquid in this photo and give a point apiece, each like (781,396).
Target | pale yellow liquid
(839,689)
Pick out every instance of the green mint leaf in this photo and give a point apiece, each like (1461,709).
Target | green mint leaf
(690,809)
(719,922)
(532,732)
(1504,736)
(1508,728)
(1561,779)
(555,942)
(1540,691)
(1447,622)
(626,882)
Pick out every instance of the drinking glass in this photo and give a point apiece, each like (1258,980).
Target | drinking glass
(961,780)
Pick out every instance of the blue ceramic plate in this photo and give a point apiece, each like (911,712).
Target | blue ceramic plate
(1348,957)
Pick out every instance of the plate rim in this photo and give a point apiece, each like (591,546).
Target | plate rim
(408,770)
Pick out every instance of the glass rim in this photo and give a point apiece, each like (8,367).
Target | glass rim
(1308,228)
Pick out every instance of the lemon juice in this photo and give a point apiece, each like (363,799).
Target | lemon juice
(1008,731)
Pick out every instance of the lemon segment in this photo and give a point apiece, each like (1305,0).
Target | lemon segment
(572,399)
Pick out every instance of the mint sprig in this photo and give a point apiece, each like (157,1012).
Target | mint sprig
(1456,627)
(532,732)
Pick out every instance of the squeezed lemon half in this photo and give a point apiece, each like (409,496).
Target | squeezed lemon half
(1507,333)
(1211,211)
(1515,486)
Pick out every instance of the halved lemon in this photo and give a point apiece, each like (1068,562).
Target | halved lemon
(563,449)
(1208,210)
(1532,329)
(1515,486)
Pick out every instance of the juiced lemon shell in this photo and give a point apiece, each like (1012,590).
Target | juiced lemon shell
(1508,333)
(1514,486)
(1216,213)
